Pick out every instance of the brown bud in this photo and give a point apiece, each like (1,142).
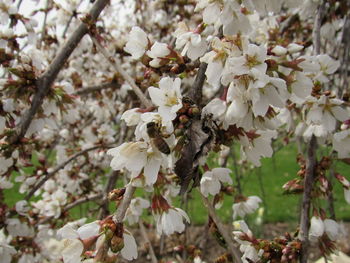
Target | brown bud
(194,111)
(117,243)
(116,194)
(184,119)
(178,132)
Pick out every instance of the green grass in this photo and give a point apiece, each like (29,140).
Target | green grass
(265,181)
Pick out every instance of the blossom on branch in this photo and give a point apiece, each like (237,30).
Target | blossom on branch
(167,97)
(211,181)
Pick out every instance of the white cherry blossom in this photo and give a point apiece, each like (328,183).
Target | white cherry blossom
(167,97)
(157,52)
(246,207)
(171,221)
(131,117)
(190,42)
(318,227)
(211,180)
(135,209)
(135,156)
(341,143)
(6,251)
(137,42)
(325,112)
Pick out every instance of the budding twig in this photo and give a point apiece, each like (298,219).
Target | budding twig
(119,215)
(43,29)
(145,237)
(225,234)
(59,167)
(74,204)
(48,77)
(88,90)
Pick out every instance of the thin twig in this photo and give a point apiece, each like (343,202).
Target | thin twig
(119,215)
(316,33)
(88,90)
(237,172)
(330,197)
(43,29)
(116,64)
(104,211)
(48,77)
(148,243)
(286,24)
(74,204)
(19,4)
(225,234)
(59,167)
(74,13)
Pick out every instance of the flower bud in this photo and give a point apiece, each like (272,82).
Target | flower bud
(117,244)
(194,111)
(116,194)
(184,119)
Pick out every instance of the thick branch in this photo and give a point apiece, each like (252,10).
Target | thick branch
(45,81)
(115,63)
(225,234)
(195,92)
(59,167)
(316,33)
(308,185)
(311,161)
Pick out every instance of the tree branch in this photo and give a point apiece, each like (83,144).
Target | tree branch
(74,13)
(109,187)
(45,81)
(59,167)
(74,204)
(148,243)
(115,63)
(195,92)
(119,215)
(88,90)
(306,203)
(43,29)
(225,234)
(311,161)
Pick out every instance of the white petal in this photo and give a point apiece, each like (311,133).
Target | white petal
(72,251)
(340,113)
(157,96)
(331,228)
(67,231)
(316,227)
(151,170)
(347,195)
(89,230)
(223,175)
(129,251)
(211,13)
